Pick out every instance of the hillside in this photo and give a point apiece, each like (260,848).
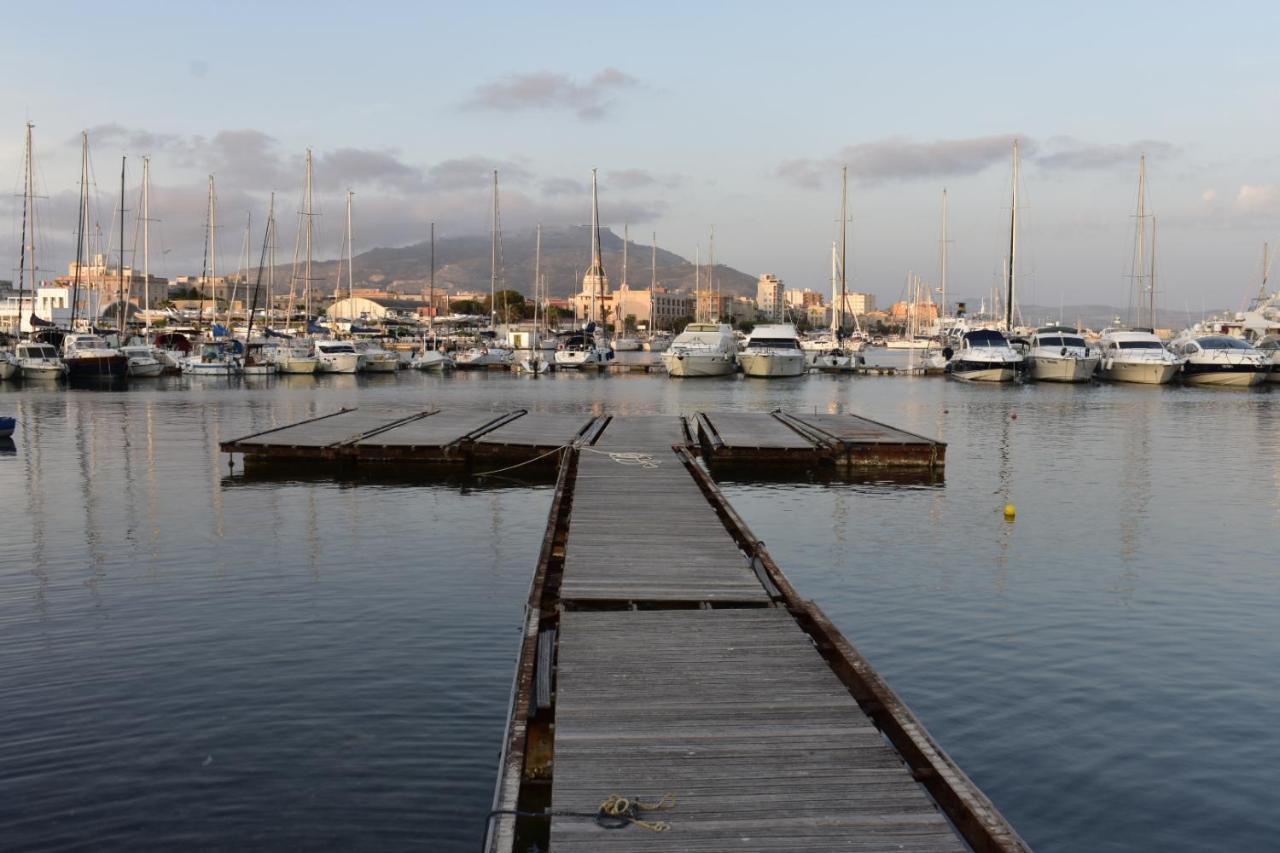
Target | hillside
(463,263)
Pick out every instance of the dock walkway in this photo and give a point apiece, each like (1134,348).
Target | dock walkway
(665,653)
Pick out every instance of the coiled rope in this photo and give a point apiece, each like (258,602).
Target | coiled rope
(615,812)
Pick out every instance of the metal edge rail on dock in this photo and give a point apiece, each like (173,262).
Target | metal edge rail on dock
(526,764)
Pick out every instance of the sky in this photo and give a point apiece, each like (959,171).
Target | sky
(737,116)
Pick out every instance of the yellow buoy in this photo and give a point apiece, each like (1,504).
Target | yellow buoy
(1010,511)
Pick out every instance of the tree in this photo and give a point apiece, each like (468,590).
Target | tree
(678,324)
(510,306)
(746,326)
(467,306)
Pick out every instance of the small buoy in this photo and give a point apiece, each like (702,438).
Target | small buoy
(1013,417)
(1010,511)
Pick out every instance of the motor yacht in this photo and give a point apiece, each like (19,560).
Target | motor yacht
(1136,355)
(431,359)
(1221,360)
(91,357)
(292,358)
(142,361)
(216,358)
(483,357)
(773,350)
(337,357)
(1269,346)
(8,365)
(376,359)
(626,343)
(1060,354)
(37,360)
(984,355)
(702,349)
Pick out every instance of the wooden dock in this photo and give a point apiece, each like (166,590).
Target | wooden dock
(667,659)
(846,442)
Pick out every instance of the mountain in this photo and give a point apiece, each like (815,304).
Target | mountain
(463,263)
(1099,316)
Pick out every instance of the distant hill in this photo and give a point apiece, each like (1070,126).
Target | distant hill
(1099,316)
(462,263)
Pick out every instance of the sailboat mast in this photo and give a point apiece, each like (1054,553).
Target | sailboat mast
(697,285)
(120,313)
(213,246)
(653,284)
(493,257)
(844,245)
(835,290)
(351,282)
(943,272)
(712,292)
(1013,246)
(537,277)
(82,223)
(596,270)
(310,238)
(431,303)
(146,245)
(22,250)
(1141,245)
(271,258)
(1151,302)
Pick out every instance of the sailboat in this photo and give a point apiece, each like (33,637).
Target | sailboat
(622,342)
(431,357)
(655,341)
(494,355)
(534,363)
(836,353)
(1137,354)
(580,351)
(984,355)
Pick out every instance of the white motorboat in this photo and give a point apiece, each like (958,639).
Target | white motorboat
(337,357)
(533,364)
(1269,346)
(1132,355)
(657,342)
(375,359)
(8,366)
(918,342)
(36,361)
(256,361)
(431,359)
(215,358)
(773,350)
(142,361)
(702,349)
(1221,360)
(1060,354)
(581,352)
(483,358)
(984,355)
(91,357)
(291,358)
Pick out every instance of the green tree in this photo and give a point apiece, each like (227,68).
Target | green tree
(678,324)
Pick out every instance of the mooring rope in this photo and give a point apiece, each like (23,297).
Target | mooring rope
(615,812)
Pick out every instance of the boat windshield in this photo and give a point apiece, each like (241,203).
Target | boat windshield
(773,343)
(37,351)
(1222,342)
(1059,341)
(985,338)
(90,343)
(1141,345)
(335,347)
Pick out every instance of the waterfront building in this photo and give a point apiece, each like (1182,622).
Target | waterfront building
(770,298)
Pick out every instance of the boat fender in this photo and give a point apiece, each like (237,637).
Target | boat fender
(947,352)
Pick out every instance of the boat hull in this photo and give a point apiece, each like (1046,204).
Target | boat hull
(338,362)
(579,360)
(980,371)
(692,365)
(97,367)
(1138,372)
(7,369)
(1235,376)
(1076,369)
(40,371)
(297,365)
(381,365)
(431,360)
(145,369)
(772,365)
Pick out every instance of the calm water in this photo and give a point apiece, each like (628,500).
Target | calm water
(193,659)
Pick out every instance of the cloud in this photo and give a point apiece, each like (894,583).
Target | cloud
(1257,200)
(549,90)
(381,168)
(1065,152)
(898,158)
(471,172)
(564,186)
(637,179)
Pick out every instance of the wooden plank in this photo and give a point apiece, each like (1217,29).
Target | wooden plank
(328,431)
(539,429)
(743,430)
(733,713)
(439,430)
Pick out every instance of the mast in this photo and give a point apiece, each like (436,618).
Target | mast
(493,257)
(653,284)
(697,285)
(1151,306)
(146,245)
(120,312)
(844,245)
(1140,246)
(82,224)
(310,239)
(836,313)
(351,282)
(213,245)
(617,315)
(711,274)
(1266,263)
(1013,246)
(943,272)
(537,276)
(596,272)
(204,263)
(431,303)
(271,259)
(28,214)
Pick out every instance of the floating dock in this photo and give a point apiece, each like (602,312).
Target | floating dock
(729,441)
(666,659)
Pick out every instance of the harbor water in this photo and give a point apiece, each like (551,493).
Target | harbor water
(196,658)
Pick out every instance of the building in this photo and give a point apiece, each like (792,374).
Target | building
(770,298)
(594,302)
(100,286)
(50,304)
(926,313)
(363,309)
(633,307)
(856,304)
(801,300)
